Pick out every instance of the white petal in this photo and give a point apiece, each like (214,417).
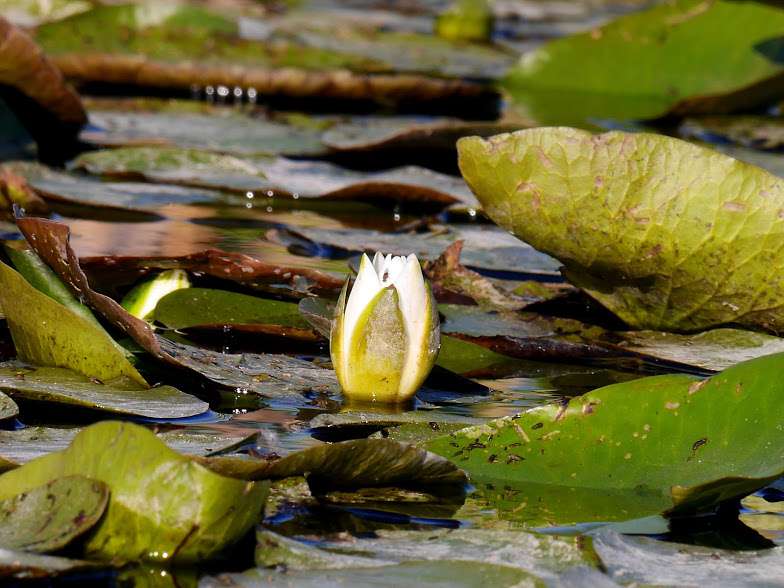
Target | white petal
(365,288)
(393,270)
(413,302)
(378,262)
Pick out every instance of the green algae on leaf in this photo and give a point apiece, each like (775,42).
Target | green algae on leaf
(667,235)
(677,436)
(163,506)
(47,333)
(682,47)
(122,396)
(47,518)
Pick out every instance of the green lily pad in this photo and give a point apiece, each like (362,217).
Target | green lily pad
(681,44)
(673,435)
(135,196)
(163,506)
(58,386)
(23,445)
(46,333)
(441,573)
(643,560)
(484,247)
(202,307)
(679,247)
(49,517)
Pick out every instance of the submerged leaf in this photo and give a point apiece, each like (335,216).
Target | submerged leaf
(682,47)
(58,386)
(674,436)
(46,333)
(49,517)
(665,234)
(163,506)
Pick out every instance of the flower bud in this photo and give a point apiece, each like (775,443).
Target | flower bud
(385,337)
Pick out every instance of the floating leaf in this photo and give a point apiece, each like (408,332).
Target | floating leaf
(49,517)
(679,246)
(57,186)
(23,445)
(681,44)
(758,132)
(49,109)
(484,247)
(163,506)
(17,564)
(431,573)
(351,464)
(673,435)
(46,333)
(217,130)
(645,560)
(277,177)
(8,408)
(715,350)
(202,307)
(58,386)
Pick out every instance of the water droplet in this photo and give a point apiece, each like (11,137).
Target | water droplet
(295,196)
(237,93)
(223,91)
(252,94)
(472,212)
(248,205)
(209,92)
(270,193)
(249,195)
(269,209)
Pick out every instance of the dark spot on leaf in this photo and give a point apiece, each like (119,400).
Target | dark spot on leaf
(538,426)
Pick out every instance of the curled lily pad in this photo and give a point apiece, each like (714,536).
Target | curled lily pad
(351,464)
(75,343)
(21,565)
(597,73)
(163,506)
(49,517)
(683,250)
(58,386)
(671,435)
(48,107)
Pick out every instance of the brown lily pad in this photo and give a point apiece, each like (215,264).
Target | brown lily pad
(34,89)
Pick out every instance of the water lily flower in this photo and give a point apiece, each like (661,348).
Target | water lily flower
(385,338)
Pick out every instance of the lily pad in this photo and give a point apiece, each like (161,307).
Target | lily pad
(147,480)
(644,560)
(673,435)
(275,177)
(49,517)
(75,343)
(351,464)
(715,350)
(758,132)
(23,445)
(202,307)
(484,247)
(682,45)
(679,247)
(136,196)
(58,386)
(173,47)
(219,131)
(17,564)
(446,573)
(46,105)
(8,408)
